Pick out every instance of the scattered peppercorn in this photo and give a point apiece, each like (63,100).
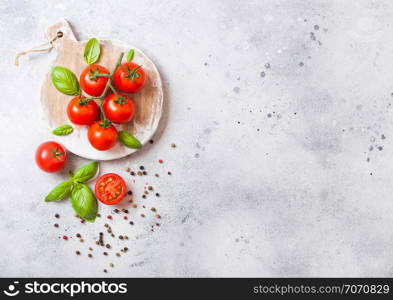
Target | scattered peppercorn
(151,141)
(142,215)
(144,196)
(90,248)
(56,225)
(106,225)
(105,271)
(153,209)
(157,195)
(81,240)
(157,175)
(108,246)
(132,173)
(129,192)
(141,167)
(116,210)
(90,255)
(121,237)
(169,173)
(131,223)
(78,235)
(150,188)
(78,252)
(105,253)
(139,173)
(144,173)
(57,216)
(111,265)
(98,215)
(118,254)
(173,145)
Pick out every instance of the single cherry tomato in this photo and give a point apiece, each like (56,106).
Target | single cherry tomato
(102,135)
(110,189)
(51,157)
(119,109)
(129,77)
(91,83)
(82,112)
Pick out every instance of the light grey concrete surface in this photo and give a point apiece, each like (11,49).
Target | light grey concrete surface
(282,115)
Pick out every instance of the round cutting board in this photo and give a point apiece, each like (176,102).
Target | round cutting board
(148,101)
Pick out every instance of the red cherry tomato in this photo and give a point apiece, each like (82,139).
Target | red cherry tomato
(110,189)
(102,136)
(51,157)
(90,83)
(82,112)
(119,109)
(129,77)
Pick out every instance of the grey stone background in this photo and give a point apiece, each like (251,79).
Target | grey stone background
(282,116)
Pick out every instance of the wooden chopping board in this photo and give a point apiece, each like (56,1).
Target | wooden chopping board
(149,101)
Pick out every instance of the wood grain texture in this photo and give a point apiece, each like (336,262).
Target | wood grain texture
(149,101)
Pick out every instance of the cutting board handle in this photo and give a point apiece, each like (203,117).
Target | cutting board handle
(63,30)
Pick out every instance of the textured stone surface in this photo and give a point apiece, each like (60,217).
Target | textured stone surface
(281,112)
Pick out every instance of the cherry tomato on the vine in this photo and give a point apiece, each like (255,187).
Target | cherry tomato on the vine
(102,135)
(91,83)
(82,112)
(129,77)
(110,189)
(51,157)
(119,108)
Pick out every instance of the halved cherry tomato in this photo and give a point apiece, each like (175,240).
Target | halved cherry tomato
(129,77)
(51,157)
(91,83)
(119,109)
(110,189)
(102,135)
(82,112)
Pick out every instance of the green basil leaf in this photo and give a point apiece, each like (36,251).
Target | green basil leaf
(130,54)
(85,172)
(61,191)
(63,130)
(92,51)
(84,202)
(128,140)
(65,81)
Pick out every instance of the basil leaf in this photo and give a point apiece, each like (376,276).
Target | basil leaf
(65,81)
(92,51)
(63,130)
(130,55)
(84,202)
(86,172)
(61,191)
(128,140)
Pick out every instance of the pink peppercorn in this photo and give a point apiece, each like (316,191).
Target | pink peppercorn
(158,216)
(160,161)
(65,237)
(125,218)
(109,217)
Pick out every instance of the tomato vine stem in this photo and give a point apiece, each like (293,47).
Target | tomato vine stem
(107,86)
